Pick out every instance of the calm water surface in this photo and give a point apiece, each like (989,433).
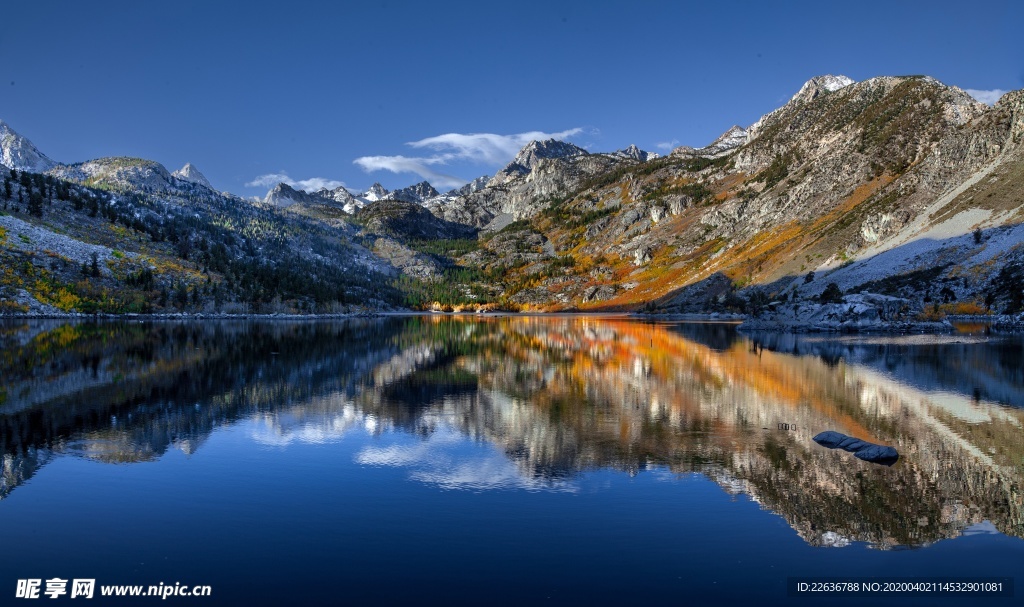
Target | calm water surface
(515,460)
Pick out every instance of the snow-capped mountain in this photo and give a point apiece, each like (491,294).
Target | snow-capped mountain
(414,193)
(635,153)
(283,195)
(725,143)
(376,192)
(191,174)
(811,89)
(473,186)
(17,152)
(820,84)
(349,203)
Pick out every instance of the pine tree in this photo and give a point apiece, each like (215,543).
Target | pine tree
(35,204)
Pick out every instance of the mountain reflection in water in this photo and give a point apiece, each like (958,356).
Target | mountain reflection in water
(557,396)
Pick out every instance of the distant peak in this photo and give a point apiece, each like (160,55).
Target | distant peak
(414,193)
(376,192)
(191,174)
(473,186)
(17,152)
(821,84)
(549,148)
(635,153)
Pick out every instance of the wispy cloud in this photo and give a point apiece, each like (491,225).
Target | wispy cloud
(486,148)
(442,460)
(419,166)
(986,97)
(478,148)
(310,185)
(667,145)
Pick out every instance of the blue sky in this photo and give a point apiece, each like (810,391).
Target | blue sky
(305,90)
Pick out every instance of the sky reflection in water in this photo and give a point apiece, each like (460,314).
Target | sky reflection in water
(678,456)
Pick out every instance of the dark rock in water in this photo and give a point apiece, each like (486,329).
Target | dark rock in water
(879,454)
(869,452)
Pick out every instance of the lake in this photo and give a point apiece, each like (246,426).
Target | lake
(507,460)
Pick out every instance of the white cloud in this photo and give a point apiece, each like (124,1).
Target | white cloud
(667,145)
(310,185)
(480,148)
(986,97)
(486,148)
(420,166)
(443,460)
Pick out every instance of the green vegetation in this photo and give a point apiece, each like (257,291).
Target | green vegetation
(777,170)
(1008,286)
(445,247)
(831,294)
(900,285)
(457,286)
(696,191)
(700,163)
(206,251)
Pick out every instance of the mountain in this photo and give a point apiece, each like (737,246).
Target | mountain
(725,143)
(349,203)
(415,193)
(635,153)
(283,195)
(376,192)
(17,152)
(123,235)
(473,186)
(122,173)
(899,185)
(896,186)
(540,172)
(191,174)
(532,155)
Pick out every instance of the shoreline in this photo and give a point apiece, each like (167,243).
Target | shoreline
(997,323)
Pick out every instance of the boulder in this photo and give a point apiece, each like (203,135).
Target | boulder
(861,449)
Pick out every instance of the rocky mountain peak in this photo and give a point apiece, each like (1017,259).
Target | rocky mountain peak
(17,152)
(551,148)
(414,193)
(635,153)
(191,174)
(821,84)
(283,195)
(376,192)
(473,186)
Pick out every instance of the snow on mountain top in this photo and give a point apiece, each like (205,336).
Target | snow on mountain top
(810,90)
(731,139)
(635,153)
(375,193)
(191,174)
(473,186)
(17,152)
(283,195)
(551,148)
(821,84)
(726,142)
(414,193)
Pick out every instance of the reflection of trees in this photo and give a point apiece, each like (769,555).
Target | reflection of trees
(564,395)
(123,392)
(557,395)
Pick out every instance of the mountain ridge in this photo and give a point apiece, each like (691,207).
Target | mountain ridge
(868,184)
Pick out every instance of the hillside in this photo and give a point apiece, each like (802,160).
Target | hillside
(902,186)
(123,235)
